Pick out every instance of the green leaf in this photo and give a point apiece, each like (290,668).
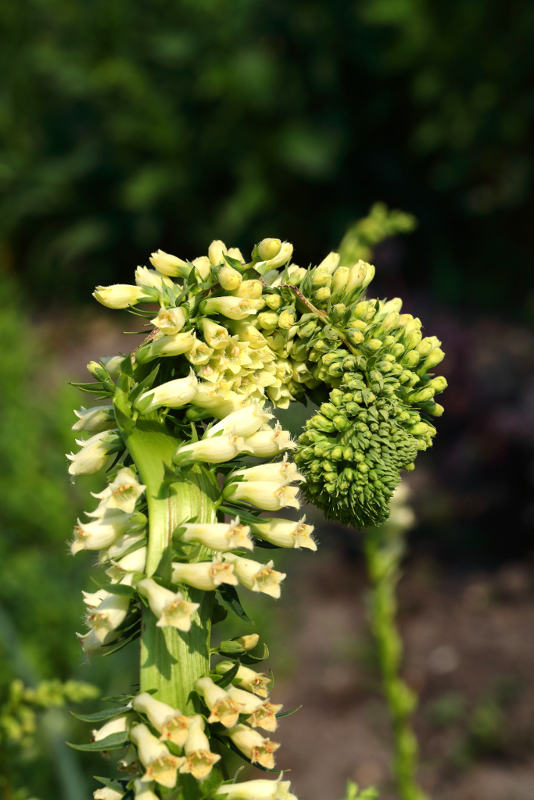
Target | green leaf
(231,599)
(227,678)
(113,742)
(103,715)
(289,713)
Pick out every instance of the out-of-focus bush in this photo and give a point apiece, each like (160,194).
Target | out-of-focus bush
(133,126)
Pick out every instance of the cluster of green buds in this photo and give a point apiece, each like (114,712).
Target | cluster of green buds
(193,459)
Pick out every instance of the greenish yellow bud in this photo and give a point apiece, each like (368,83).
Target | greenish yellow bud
(286,319)
(339,282)
(229,278)
(355,336)
(322,294)
(425,347)
(434,358)
(267,320)
(410,359)
(296,274)
(439,383)
(202,266)
(308,329)
(320,276)
(216,252)
(357,276)
(373,344)
(422,395)
(436,409)
(167,264)
(252,290)
(269,248)
(330,262)
(273,301)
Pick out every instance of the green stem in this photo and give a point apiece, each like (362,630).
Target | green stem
(171,661)
(384,547)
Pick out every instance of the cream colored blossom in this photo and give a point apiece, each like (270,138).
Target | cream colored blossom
(220,536)
(170,321)
(121,295)
(172,394)
(160,765)
(95,419)
(257,748)
(223,708)
(270,442)
(199,759)
(95,452)
(256,576)
(171,608)
(267,495)
(122,493)
(205,575)
(285,532)
(214,450)
(168,721)
(167,264)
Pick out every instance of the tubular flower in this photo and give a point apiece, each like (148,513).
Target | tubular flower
(151,279)
(122,493)
(170,321)
(282,472)
(245,421)
(105,531)
(265,717)
(285,532)
(255,576)
(123,545)
(167,264)
(232,307)
(165,346)
(108,615)
(219,535)
(270,442)
(144,790)
(267,495)
(256,790)
(170,608)
(199,759)
(95,419)
(116,725)
(168,721)
(113,792)
(95,452)
(223,708)
(214,450)
(253,745)
(246,700)
(122,571)
(172,394)
(121,295)
(205,575)
(246,678)
(160,765)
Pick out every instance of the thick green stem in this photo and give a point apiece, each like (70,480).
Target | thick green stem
(384,547)
(171,661)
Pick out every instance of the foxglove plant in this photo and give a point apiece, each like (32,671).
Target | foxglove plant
(194,457)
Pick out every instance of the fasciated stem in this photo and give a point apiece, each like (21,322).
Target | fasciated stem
(384,547)
(172,661)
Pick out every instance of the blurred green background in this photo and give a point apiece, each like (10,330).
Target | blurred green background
(127,127)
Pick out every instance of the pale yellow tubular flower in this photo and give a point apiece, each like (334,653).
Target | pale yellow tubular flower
(257,748)
(247,701)
(216,336)
(144,790)
(282,472)
(170,321)
(167,264)
(94,454)
(256,576)
(118,724)
(121,295)
(199,354)
(216,252)
(251,290)
(202,266)
(199,759)
(126,542)
(122,493)
(246,678)
(270,442)
(94,420)
(219,536)
(260,789)
(235,253)
(265,717)
(160,765)
(171,609)
(165,346)
(168,721)
(205,575)
(121,571)
(218,400)
(267,495)
(152,279)
(230,279)
(235,308)
(215,450)
(113,792)
(285,532)
(104,531)
(172,394)
(245,421)
(223,708)
(108,615)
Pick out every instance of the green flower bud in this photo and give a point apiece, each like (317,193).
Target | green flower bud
(286,319)
(273,301)
(434,358)
(267,320)
(229,278)
(268,248)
